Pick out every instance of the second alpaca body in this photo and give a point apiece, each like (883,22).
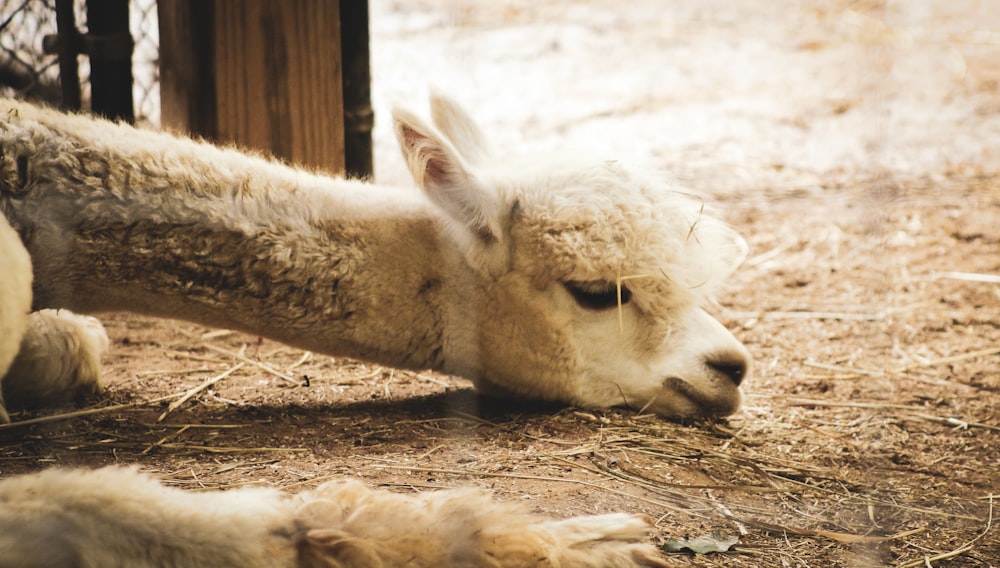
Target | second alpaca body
(116,517)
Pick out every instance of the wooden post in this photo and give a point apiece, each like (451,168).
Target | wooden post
(109,45)
(263,74)
(187,80)
(67,46)
(358,115)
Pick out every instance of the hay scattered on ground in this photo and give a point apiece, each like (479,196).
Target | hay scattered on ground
(870,302)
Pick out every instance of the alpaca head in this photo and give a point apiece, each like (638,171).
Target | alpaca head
(592,278)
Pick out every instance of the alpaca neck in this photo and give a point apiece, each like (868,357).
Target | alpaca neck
(337,267)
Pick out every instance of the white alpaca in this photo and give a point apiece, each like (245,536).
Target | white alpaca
(15,299)
(115,517)
(543,279)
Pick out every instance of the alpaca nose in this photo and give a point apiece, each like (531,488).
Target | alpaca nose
(730,363)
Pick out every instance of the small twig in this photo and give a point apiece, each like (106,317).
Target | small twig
(229,449)
(836,536)
(796,401)
(190,426)
(194,357)
(195,390)
(850,372)
(970,277)
(843,368)
(428,452)
(740,525)
(306,355)
(779,315)
(385,387)
(473,418)
(960,424)
(960,550)
(87,412)
(165,439)
(214,334)
(172,372)
(915,412)
(950,359)
(431,379)
(250,361)
(618,286)
(370,375)
(768,255)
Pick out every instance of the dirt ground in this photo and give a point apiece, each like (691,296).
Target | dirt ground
(856,145)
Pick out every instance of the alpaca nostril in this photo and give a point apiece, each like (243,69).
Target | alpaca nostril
(732,365)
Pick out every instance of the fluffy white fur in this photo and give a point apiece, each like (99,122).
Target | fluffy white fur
(500,270)
(15,299)
(117,517)
(59,358)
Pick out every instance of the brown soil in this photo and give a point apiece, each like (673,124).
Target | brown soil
(855,145)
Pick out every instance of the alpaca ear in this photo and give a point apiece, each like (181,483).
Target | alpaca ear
(451,184)
(456,124)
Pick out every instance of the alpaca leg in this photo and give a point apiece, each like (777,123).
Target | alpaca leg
(608,541)
(13,322)
(521,540)
(15,300)
(348,524)
(119,517)
(59,360)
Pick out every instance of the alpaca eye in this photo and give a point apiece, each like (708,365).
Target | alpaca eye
(597,295)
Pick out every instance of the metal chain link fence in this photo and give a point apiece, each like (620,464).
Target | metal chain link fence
(145,60)
(27,72)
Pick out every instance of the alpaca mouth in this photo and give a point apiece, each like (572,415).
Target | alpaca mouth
(703,403)
(677,385)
